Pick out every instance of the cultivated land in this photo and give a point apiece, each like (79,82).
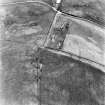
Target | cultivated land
(41,49)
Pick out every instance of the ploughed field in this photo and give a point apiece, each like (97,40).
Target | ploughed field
(42,50)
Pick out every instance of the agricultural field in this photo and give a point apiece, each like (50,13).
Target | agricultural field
(52,53)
